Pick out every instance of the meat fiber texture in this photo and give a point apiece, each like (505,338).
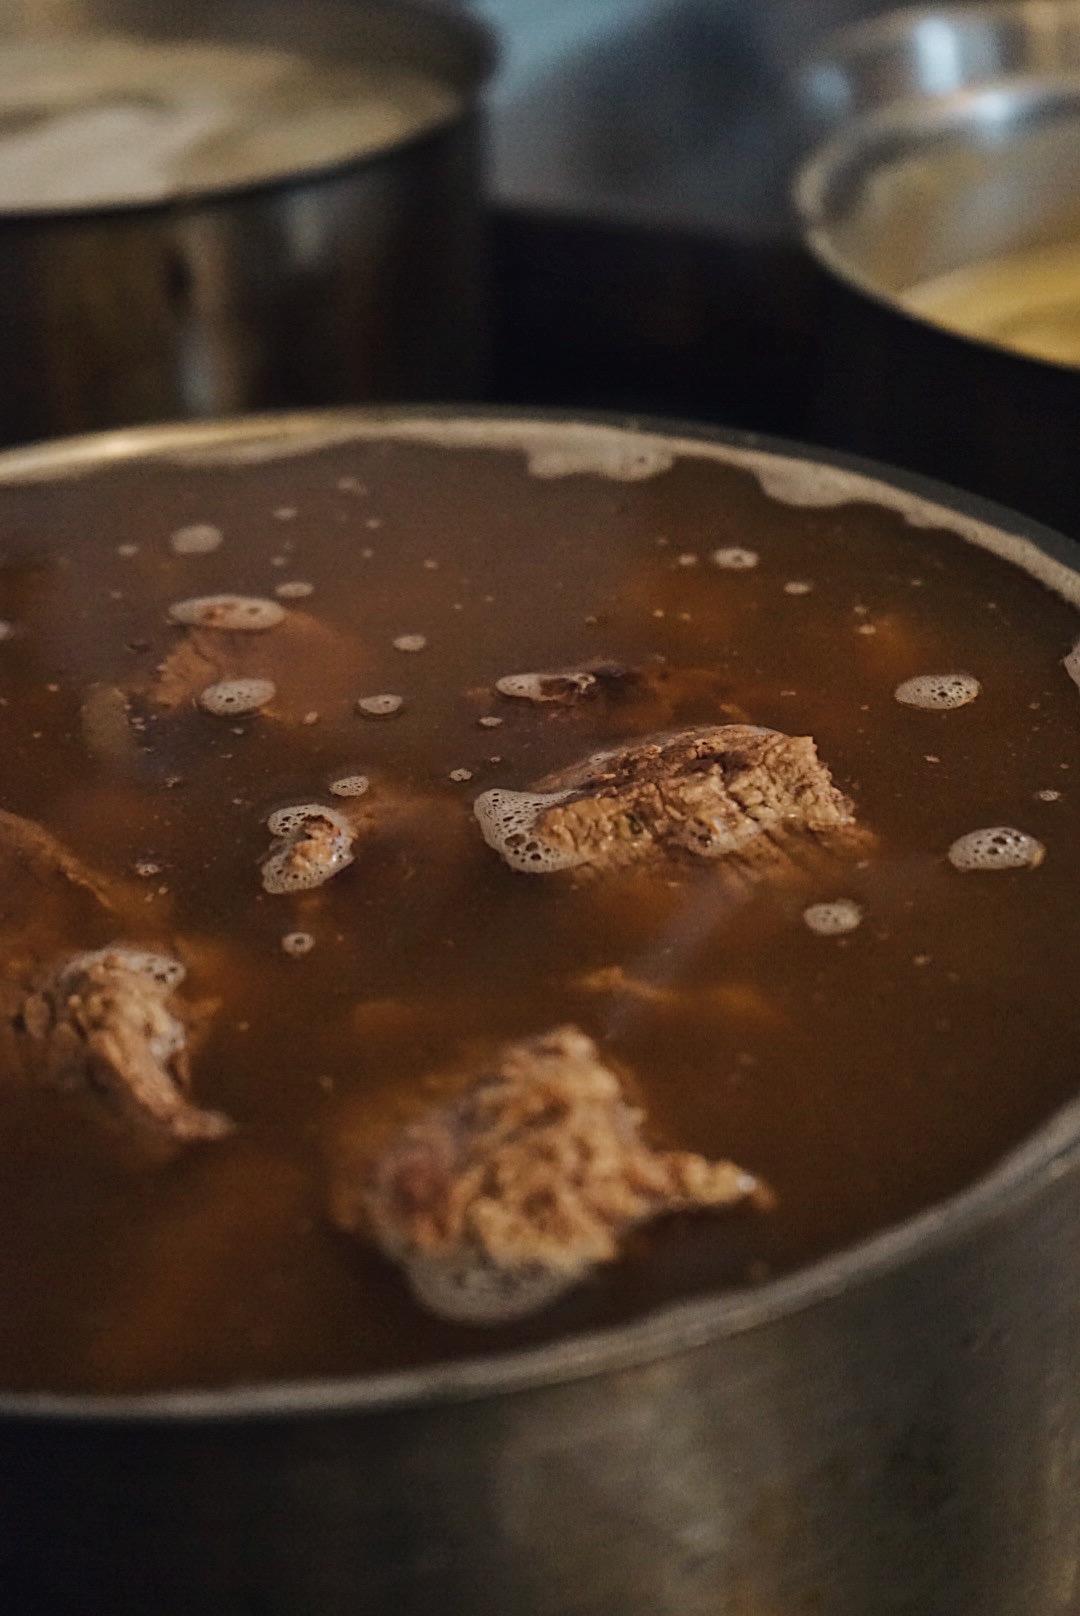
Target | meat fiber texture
(496,1204)
(729,792)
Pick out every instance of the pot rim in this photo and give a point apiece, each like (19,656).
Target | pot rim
(1050,1152)
(469,32)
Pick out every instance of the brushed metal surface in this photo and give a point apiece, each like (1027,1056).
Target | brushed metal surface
(894,1430)
(926,52)
(938,168)
(364,281)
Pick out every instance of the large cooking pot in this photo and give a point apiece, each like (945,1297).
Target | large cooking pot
(952,137)
(895,1429)
(361,279)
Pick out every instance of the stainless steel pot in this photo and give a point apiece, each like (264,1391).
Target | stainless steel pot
(893,1430)
(929,52)
(955,138)
(363,281)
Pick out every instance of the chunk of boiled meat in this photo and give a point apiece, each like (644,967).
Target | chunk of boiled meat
(729,792)
(636,698)
(47,892)
(497,1203)
(110,1021)
(311,665)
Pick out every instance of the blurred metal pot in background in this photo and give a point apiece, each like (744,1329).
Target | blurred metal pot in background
(362,280)
(955,143)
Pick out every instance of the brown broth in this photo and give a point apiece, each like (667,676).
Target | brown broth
(863,1076)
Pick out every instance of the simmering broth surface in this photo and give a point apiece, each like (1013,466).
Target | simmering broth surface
(863,1073)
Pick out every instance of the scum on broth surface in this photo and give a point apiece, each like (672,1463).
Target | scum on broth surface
(863,1073)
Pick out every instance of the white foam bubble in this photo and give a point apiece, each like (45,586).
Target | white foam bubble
(733,558)
(288,821)
(285,869)
(232,698)
(297,943)
(603,452)
(294,589)
(161,968)
(545,686)
(410,642)
(798,586)
(938,692)
(234,614)
(350,785)
(198,538)
(468,1290)
(380,706)
(508,821)
(998,847)
(835,918)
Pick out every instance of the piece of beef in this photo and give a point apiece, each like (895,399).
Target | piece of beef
(730,792)
(496,1204)
(110,1020)
(46,893)
(28,848)
(312,665)
(636,698)
(403,834)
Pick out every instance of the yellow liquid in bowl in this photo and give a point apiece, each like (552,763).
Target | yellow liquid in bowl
(1028,301)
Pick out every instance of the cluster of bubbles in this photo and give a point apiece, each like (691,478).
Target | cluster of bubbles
(462,1287)
(297,943)
(234,698)
(999,847)
(350,785)
(294,589)
(543,687)
(833,919)
(234,614)
(160,968)
(314,843)
(938,692)
(508,822)
(410,642)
